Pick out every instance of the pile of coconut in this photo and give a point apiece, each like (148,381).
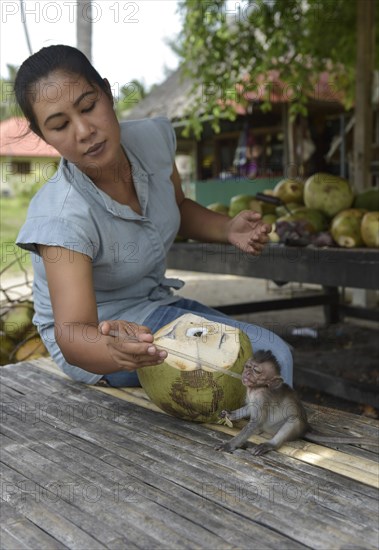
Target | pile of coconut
(323,210)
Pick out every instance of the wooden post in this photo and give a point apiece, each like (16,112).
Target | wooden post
(363,96)
(363,131)
(290,168)
(84,27)
(285,134)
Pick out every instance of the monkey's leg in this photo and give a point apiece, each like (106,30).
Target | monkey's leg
(288,432)
(239,439)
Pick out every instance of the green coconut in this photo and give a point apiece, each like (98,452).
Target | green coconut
(17,320)
(218,207)
(269,218)
(289,190)
(367,199)
(291,206)
(328,193)
(317,221)
(370,229)
(30,348)
(238,203)
(190,388)
(6,347)
(262,207)
(346,228)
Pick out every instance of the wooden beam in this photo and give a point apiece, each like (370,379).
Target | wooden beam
(363,93)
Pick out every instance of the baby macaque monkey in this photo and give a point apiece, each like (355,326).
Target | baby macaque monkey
(274,408)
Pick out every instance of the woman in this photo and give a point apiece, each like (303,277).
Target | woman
(100,229)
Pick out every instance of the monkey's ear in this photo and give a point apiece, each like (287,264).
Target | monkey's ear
(275,383)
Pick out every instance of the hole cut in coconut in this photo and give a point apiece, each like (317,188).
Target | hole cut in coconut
(197,332)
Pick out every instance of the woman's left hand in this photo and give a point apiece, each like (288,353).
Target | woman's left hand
(248,232)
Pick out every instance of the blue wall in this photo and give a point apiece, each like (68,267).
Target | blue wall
(207,192)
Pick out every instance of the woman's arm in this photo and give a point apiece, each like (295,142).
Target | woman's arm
(77,333)
(246,230)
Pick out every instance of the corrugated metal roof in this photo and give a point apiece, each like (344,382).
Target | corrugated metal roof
(16,140)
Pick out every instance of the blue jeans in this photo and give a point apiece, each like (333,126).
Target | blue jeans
(261,338)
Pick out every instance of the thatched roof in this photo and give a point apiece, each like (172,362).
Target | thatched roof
(171,99)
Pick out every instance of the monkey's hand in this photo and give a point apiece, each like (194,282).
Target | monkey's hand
(263,448)
(226,447)
(225,419)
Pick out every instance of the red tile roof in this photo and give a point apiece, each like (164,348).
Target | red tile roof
(17,141)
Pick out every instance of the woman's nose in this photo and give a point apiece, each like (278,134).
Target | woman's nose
(84,129)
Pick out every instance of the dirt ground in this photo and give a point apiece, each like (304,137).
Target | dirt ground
(347,351)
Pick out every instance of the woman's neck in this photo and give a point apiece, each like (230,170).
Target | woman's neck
(117,181)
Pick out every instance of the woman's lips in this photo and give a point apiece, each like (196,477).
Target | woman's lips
(95,149)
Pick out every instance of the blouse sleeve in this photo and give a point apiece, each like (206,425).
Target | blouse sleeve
(168,134)
(55,231)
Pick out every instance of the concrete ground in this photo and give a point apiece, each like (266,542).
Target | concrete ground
(216,290)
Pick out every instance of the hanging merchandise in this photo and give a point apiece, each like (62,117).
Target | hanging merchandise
(240,155)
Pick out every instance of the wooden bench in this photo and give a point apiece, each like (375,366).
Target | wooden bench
(93,467)
(330,268)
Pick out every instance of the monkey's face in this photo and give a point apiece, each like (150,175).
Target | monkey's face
(258,374)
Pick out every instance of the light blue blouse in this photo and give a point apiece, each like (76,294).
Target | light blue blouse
(127,250)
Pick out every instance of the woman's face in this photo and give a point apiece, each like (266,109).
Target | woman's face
(78,120)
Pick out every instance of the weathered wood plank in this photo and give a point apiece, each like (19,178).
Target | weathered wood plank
(318,413)
(18,532)
(127,479)
(190,427)
(338,425)
(9,541)
(36,502)
(187,445)
(126,517)
(179,484)
(25,534)
(43,482)
(337,457)
(16,481)
(358,268)
(139,443)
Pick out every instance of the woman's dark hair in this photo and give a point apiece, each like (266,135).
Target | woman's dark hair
(40,65)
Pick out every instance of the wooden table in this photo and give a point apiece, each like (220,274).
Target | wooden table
(329,267)
(86,467)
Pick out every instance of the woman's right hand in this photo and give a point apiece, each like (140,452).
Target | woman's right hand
(115,345)
(130,345)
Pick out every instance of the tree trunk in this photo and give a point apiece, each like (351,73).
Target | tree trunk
(84,27)
(363,97)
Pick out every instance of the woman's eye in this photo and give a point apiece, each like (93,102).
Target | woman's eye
(61,127)
(89,108)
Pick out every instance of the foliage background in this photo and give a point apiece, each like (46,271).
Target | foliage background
(226,44)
